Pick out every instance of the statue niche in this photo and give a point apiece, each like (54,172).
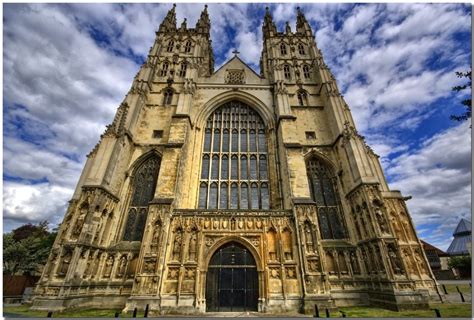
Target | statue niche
(77,228)
(192,245)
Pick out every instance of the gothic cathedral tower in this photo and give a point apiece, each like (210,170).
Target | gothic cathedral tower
(230,190)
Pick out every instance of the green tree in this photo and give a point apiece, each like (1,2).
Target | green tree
(26,248)
(466,102)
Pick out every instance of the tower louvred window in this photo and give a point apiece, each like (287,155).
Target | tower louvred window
(164,69)
(302,98)
(301,49)
(168,97)
(324,193)
(170,46)
(306,72)
(182,71)
(286,72)
(187,47)
(235,145)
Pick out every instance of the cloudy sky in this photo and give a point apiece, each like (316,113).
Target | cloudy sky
(66,68)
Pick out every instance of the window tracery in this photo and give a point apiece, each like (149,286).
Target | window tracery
(143,190)
(234,172)
(168,96)
(323,192)
(302,98)
(164,69)
(182,71)
(301,49)
(187,46)
(306,72)
(170,46)
(286,72)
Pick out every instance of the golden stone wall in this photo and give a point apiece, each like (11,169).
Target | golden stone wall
(380,261)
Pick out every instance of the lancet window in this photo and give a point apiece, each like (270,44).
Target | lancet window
(170,46)
(306,72)
(187,46)
(301,49)
(234,170)
(302,98)
(182,71)
(324,193)
(168,96)
(164,69)
(143,190)
(286,72)
(283,49)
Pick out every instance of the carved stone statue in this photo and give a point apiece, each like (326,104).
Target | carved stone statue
(192,246)
(381,221)
(108,266)
(122,266)
(394,260)
(77,228)
(309,237)
(177,245)
(66,260)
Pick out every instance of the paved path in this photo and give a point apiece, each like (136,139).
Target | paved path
(454,281)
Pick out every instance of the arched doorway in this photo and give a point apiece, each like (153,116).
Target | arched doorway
(232,280)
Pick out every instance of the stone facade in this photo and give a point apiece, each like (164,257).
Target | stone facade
(325,229)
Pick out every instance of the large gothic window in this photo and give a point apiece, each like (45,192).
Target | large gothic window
(324,193)
(143,190)
(234,172)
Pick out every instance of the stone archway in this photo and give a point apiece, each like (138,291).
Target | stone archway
(232,280)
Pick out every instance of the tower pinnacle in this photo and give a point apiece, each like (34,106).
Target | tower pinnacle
(169,22)
(302,25)
(204,23)
(269,28)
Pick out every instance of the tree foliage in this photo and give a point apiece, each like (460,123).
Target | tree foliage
(26,248)
(466,102)
(460,262)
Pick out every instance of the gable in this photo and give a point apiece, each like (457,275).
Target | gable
(235,71)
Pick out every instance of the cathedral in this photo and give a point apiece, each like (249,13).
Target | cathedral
(231,190)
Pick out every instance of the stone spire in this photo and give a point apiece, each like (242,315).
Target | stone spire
(204,23)
(169,22)
(269,28)
(302,25)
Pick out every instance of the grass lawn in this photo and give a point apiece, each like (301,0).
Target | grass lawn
(447,310)
(451,288)
(73,313)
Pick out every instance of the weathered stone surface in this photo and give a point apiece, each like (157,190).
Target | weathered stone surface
(132,237)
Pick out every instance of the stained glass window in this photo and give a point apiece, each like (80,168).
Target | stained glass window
(143,190)
(234,132)
(324,193)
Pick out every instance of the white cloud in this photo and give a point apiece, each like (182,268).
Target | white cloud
(438,176)
(78,60)
(23,203)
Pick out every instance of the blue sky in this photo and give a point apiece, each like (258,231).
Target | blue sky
(67,67)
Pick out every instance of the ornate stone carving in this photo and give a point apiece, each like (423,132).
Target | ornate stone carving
(290,272)
(109,263)
(235,76)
